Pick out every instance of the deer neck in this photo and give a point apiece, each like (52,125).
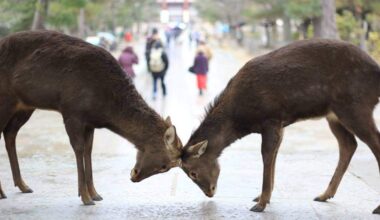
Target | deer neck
(140,125)
(220,133)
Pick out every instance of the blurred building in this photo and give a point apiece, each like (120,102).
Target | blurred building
(176,11)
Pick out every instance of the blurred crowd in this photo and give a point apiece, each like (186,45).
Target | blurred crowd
(157,60)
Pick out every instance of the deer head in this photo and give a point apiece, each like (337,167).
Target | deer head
(161,158)
(202,169)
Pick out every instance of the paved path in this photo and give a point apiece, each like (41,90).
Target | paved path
(306,162)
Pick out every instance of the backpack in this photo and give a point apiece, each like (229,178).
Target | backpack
(156,64)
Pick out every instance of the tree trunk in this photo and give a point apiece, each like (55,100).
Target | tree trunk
(317,26)
(274,32)
(40,15)
(81,24)
(325,26)
(304,28)
(268,35)
(363,40)
(287,29)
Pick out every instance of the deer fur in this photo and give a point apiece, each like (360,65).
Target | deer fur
(52,71)
(306,79)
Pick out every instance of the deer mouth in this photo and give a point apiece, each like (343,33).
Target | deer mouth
(135,179)
(210,194)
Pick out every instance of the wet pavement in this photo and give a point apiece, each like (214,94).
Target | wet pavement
(306,162)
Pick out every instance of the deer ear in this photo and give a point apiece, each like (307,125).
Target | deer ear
(198,150)
(168,121)
(169,139)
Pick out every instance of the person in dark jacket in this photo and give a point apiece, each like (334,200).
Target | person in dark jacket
(200,68)
(158,65)
(127,59)
(151,40)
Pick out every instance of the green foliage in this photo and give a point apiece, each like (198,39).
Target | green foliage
(301,9)
(374,45)
(62,14)
(16,15)
(348,27)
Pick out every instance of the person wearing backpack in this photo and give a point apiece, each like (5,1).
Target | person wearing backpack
(151,40)
(158,65)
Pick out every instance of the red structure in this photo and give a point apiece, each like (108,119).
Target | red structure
(175,10)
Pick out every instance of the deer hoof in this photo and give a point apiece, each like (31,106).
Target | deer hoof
(377,210)
(90,202)
(322,198)
(97,197)
(257,199)
(258,208)
(25,189)
(2,196)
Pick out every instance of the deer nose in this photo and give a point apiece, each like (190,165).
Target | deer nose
(134,175)
(211,191)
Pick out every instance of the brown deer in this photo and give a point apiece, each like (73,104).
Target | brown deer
(306,79)
(52,71)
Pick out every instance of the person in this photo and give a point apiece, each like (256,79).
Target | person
(205,49)
(149,44)
(127,58)
(128,37)
(158,65)
(200,68)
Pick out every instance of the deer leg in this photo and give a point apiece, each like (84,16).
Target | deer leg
(273,170)
(271,140)
(347,146)
(88,165)
(6,111)
(10,133)
(76,132)
(2,194)
(360,121)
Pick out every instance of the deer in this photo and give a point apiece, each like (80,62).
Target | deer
(48,70)
(303,80)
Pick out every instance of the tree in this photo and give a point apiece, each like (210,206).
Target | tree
(325,25)
(304,11)
(40,14)
(16,15)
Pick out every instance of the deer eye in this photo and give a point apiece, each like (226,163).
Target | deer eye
(193,175)
(163,168)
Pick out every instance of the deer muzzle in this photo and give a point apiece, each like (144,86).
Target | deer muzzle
(135,175)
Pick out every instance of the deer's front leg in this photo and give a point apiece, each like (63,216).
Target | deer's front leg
(2,194)
(88,165)
(76,131)
(271,139)
(272,178)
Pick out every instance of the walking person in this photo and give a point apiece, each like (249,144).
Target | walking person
(200,68)
(127,59)
(158,65)
(151,40)
(203,47)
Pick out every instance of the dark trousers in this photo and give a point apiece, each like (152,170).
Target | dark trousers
(155,78)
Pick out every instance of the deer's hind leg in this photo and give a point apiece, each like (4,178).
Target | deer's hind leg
(347,146)
(10,133)
(7,106)
(359,120)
